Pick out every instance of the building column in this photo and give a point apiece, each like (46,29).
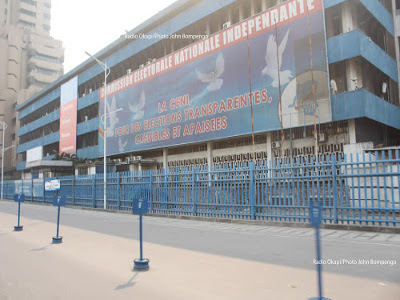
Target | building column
(269,146)
(354,75)
(263,5)
(352,131)
(229,18)
(240,13)
(252,8)
(348,20)
(208,30)
(165,158)
(396,41)
(209,155)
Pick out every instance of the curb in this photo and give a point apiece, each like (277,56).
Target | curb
(393,230)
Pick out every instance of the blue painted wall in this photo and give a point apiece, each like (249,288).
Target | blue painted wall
(356,43)
(21,166)
(88,100)
(377,9)
(54,116)
(46,140)
(40,103)
(361,103)
(90,152)
(91,125)
(330,3)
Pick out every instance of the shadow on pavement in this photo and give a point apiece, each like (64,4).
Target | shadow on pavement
(42,248)
(130,283)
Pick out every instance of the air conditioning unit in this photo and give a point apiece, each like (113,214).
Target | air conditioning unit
(86,118)
(129,71)
(226,25)
(127,160)
(148,62)
(276,145)
(83,95)
(141,66)
(90,90)
(153,60)
(321,137)
(117,160)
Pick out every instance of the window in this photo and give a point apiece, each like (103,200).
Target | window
(27,24)
(27,12)
(30,2)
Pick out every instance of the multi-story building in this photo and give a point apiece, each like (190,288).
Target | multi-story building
(199,84)
(29,60)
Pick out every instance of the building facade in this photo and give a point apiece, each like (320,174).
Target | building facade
(30,60)
(170,103)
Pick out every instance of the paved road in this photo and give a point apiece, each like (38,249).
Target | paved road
(277,245)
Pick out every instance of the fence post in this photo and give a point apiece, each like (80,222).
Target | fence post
(334,185)
(44,189)
(31,189)
(193,190)
(151,192)
(94,191)
(252,189)
(118,201)
(73,190)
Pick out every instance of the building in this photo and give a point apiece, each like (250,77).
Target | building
(30,60)
(198,84)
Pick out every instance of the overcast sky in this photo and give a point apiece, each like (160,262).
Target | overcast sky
(90,25)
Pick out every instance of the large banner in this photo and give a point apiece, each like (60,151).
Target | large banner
(68,116)
(206,91)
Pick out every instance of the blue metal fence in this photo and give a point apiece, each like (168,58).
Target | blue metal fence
(354,190)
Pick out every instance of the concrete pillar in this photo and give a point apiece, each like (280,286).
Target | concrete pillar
(229,17)
(269,145)
(252,8)
(165,158)
(352,131)
(140,167)
(349,20)
(209,154)
(396,41)
(208,30)
(353,75)
(264,5)
(241,16)
(132,168)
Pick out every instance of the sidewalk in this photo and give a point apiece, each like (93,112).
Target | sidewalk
(90,265)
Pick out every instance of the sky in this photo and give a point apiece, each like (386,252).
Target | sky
(91,25)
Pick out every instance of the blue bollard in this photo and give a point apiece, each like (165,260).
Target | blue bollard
(19,199)
(140,207)
(58,201)
(315,213)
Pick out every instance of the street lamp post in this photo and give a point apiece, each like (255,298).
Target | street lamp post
(2,165)
(106,73)
(2,157)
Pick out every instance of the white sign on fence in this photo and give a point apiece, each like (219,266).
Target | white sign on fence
(52,185)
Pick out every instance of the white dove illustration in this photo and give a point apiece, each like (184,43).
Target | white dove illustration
(137,109)
(121,146)
(112,117)
(272,65)
(214,83)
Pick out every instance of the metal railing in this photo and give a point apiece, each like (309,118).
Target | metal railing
(354,190)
